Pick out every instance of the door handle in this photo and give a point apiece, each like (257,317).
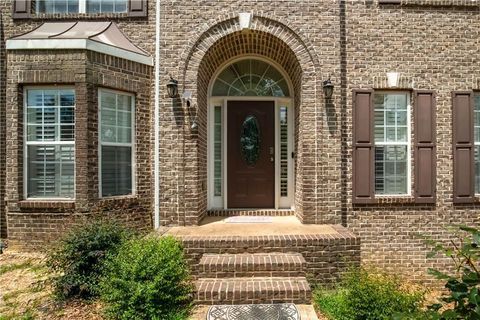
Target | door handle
(272,152)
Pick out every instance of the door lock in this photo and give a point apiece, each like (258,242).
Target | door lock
(272,152)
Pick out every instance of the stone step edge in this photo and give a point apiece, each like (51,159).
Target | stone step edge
(252,290)
(252,262)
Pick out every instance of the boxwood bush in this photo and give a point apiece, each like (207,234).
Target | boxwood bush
(78,259)
(147,279)
(368,295)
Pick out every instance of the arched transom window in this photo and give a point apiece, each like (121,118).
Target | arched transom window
(250,77)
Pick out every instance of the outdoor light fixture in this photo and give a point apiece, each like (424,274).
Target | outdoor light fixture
(328,88)
(172,87)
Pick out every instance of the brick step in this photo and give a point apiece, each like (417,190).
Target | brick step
(253,290)
(250,265)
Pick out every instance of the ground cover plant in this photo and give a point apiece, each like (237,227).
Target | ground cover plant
(365,294)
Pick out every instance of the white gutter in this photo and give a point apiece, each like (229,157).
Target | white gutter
(156,127)
(87,44)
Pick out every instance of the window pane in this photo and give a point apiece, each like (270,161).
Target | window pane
(106,6)
(50,171)
(116,125)
(116,171)
(250,78)
(391,117)
(217,157)
(283,152)
(391,170)
(50,119)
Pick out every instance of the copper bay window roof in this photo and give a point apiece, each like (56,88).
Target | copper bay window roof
(103,37)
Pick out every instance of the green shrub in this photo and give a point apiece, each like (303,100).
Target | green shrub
(147,279)
(463,298)
(78,260)
(364,295)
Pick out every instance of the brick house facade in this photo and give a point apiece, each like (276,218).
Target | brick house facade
(432,45)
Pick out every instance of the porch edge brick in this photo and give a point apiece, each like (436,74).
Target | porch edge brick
(326,256)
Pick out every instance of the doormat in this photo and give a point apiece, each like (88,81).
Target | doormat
(249,219)
(284,311)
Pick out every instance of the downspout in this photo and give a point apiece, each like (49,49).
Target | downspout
(156,115)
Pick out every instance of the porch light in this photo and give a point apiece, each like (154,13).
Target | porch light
(172,87)
(328,88)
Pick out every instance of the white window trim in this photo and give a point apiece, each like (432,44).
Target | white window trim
(133,144)
(26,144)
(82,8)
(408,144)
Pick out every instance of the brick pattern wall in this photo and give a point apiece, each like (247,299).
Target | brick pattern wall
(431,43)
(433,48)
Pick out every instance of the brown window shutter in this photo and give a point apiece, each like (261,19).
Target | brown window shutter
(137,8)
(425,146)
(363,147)
(22,9)
(463,148)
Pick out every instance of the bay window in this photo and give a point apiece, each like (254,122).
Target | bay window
(116,143)
(50,143)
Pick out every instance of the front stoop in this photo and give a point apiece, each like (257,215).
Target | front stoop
(270,268)
(253,290)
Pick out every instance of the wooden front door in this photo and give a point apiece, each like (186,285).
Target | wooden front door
(250,154)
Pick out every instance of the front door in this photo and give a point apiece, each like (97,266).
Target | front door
(251,154)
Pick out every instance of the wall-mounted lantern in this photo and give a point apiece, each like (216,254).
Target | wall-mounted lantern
(328,88)
(172,88)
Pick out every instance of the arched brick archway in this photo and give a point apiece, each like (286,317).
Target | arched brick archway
(276,42)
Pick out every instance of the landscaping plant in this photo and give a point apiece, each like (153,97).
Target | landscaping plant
(147,279)
(463,299)
(368,295)
(78,259)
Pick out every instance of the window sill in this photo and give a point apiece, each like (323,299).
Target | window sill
(401,199)
(46,204)
(128,199)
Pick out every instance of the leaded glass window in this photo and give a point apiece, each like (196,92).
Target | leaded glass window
(50,143)
(477,142)
(392,139)
(117,118)
(250,77)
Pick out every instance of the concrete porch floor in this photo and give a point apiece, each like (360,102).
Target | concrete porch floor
(281,226)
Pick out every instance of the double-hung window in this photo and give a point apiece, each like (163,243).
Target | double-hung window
(81,6)
(392,143)
(116,137)
(50,143)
